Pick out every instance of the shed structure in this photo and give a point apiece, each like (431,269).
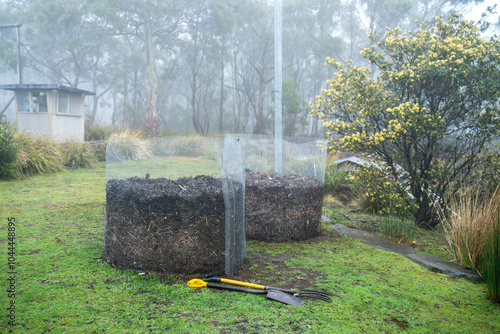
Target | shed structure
(53,110)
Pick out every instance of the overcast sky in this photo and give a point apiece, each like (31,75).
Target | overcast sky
(477,9)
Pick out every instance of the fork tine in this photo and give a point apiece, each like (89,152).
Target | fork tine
(325,293)
(315,296)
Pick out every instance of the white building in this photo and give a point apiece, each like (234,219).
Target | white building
(53,110)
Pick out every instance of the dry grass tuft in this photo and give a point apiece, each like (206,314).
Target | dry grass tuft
(468,226)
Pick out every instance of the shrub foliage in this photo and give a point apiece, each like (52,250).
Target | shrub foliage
(8,151)
(431,110)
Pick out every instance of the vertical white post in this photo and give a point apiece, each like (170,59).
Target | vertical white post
(19,73)
(278,89)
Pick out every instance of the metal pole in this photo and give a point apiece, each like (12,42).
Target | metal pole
(19,73)
(278,89)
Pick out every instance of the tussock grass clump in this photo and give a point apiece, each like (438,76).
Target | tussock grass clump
(490,260)
(472,230)
(186,146)
(77,154)
(38,154)
(129,145)
(337,180)
(466,226)
(191,146)
(332,202)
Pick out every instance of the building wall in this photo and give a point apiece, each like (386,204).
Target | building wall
(33,123)
(52,123)
(68,127)
(72,125)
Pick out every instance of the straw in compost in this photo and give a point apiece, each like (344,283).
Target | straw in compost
(160,225)
(281,208)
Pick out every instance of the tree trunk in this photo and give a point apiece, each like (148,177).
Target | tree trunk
(113,116)
(126,104)
(152,122)
(91,118)
(194,114)
(259,117)
(221,104)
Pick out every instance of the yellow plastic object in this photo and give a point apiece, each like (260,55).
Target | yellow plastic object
(250,285)
(197,283)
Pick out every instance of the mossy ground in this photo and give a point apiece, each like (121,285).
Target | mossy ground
(62,286)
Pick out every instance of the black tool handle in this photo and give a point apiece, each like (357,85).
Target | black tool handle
(281,289)
(211,278)
(235,288)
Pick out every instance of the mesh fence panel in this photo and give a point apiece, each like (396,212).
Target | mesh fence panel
(286,206)
(233,185)
(167,207)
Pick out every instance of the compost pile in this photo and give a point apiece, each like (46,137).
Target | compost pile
(160,225)
(281,208)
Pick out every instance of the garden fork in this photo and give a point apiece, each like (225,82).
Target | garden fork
(322,295)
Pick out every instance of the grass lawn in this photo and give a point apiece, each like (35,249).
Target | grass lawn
(62,286)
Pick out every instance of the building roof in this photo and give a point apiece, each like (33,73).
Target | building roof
(354,160)
(44,87)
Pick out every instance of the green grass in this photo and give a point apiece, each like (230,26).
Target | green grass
(399,230)
(426,241)
(63,287)
(169,167)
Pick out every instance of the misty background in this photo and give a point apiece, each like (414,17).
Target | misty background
(204,66)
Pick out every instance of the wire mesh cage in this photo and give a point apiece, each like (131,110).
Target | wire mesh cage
(285,206)
(172,205)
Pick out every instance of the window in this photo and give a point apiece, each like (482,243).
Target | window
(23,102)
(31,102)
(63,103)
(39,102)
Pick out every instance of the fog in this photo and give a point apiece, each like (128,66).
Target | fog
(197,66)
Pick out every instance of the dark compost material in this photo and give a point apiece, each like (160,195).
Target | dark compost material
(160,225)
(282,208)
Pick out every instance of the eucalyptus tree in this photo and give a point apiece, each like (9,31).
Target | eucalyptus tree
(201,53)
(127,72)
(8,40)
(62,44)
(311,33)
(224,19)
(156,26)
(257,42)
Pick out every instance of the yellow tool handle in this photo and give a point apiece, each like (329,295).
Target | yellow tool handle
(250,285)
(197,283)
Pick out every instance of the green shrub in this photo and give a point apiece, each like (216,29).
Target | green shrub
(77,154)
(99,149)
(95,132)
(381,193)
(337,182)
(489,169)
(38,154)
(8,151)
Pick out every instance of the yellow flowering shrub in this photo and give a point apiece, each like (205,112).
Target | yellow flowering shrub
(381,193)
(430,106)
